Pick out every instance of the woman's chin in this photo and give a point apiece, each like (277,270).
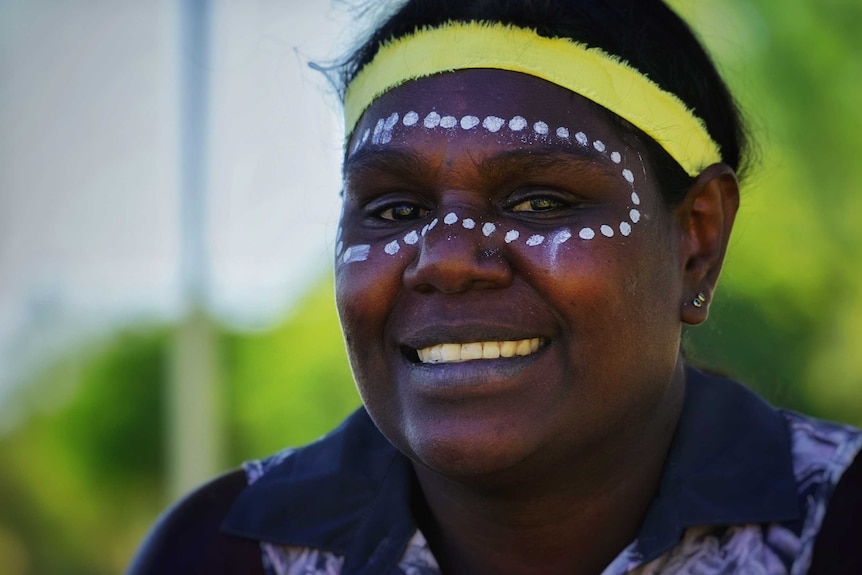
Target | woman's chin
(468,454)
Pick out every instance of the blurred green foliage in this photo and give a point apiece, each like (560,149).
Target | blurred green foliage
(83,479)
(83,475)
(788,318)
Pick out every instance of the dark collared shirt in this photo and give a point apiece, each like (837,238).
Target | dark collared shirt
(744,490)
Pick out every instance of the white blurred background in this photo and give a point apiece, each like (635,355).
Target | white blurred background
(91,227)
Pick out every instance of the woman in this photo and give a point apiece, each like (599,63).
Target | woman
(537,197)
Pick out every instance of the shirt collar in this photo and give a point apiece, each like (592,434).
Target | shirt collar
(349,493)
(729,463)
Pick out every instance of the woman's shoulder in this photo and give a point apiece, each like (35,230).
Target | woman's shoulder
(187,538)
(828,469)
(818,442)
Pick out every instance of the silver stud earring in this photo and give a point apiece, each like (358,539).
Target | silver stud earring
(699,300)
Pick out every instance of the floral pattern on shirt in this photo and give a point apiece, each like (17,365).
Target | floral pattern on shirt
(821,452)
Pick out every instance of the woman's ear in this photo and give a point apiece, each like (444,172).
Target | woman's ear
(705,217)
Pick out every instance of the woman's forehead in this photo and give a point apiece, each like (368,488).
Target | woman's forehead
(515,108)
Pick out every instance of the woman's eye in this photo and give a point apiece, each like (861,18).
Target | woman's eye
(403,212)
(540,204)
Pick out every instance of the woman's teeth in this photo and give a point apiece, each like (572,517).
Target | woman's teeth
(455,352)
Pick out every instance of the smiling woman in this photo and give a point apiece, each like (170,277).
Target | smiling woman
(534,206)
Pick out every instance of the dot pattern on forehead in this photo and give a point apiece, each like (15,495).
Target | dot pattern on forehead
(432,120)
(493,124)
(469,122)
(517,124)
(383,129)
(382,134)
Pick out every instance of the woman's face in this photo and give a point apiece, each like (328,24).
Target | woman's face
(507,278)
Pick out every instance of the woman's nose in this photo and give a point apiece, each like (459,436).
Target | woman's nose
(453,258)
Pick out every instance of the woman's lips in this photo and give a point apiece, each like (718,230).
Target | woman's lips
(460,352)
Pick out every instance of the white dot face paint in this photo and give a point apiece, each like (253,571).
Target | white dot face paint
(339,248)
(432,120)
(469,122)
(448,122)
(378,130)
(356,254)
(382,134)
(562,236)
(392,248)
(535,240)
(517,124)
(493,124)
(388,126)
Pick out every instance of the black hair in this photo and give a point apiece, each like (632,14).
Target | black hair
(645,33)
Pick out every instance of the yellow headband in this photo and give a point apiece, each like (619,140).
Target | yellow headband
(590,72)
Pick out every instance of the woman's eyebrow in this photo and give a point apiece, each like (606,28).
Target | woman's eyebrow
(389,160)
(401,161)
(549,157)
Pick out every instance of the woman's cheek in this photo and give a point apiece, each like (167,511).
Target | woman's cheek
(367,280)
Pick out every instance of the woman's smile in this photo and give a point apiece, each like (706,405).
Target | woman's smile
(458,352)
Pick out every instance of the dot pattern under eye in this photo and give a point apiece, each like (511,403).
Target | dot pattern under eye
(382,134)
